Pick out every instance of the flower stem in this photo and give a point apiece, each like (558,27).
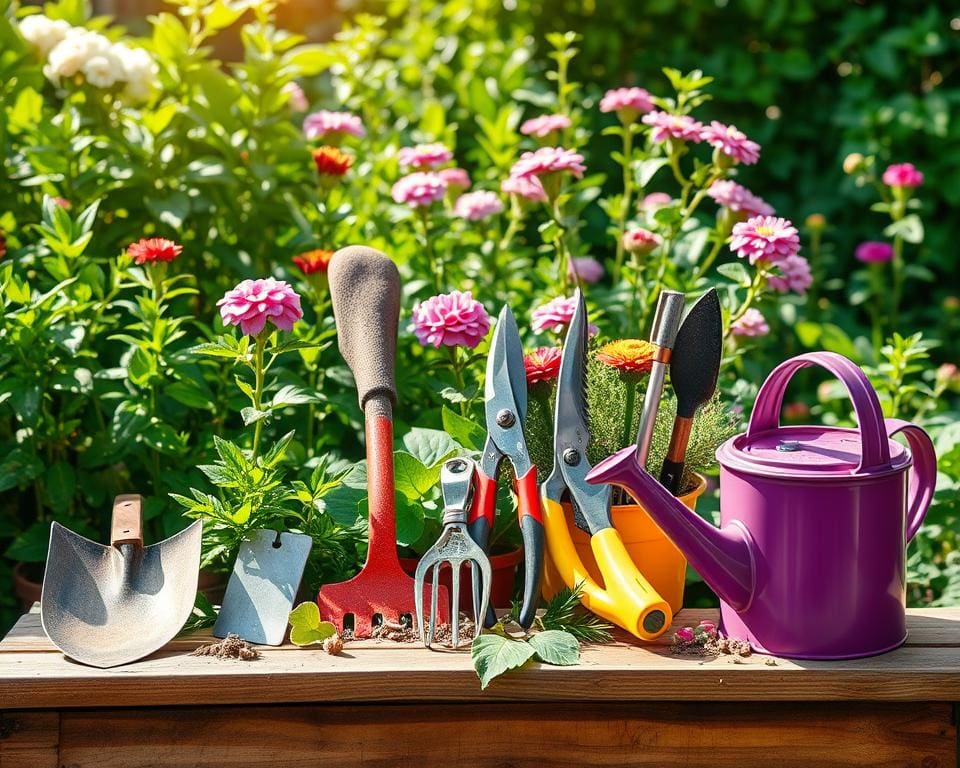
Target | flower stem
(876,308)
(625,201)
(627,436)
(259,344)
(458,376)
(436,266)
(759,280)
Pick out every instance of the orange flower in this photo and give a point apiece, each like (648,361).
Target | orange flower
(313,261)
(150,250)
(627,355)
(331,161)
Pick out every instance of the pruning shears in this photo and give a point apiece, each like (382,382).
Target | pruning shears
(626,597)
(505,396)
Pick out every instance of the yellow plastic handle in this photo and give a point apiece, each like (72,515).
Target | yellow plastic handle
(626,599)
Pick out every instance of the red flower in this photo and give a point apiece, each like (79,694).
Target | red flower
(313,261)
(331,161)
(542,364)
(150,250)
(3,244)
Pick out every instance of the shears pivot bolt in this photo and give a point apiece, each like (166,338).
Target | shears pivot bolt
(505,418)
(571,457)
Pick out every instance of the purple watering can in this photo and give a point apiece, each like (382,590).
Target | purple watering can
(809,560)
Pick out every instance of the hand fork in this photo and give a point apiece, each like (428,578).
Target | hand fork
(454,547)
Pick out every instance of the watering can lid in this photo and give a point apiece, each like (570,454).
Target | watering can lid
(805,451)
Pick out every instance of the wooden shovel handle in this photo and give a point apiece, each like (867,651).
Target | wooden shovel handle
(126,527)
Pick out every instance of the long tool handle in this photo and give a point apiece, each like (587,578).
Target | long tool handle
(126,526)
(531,526)
(382,528)
(483,514)
(671,474)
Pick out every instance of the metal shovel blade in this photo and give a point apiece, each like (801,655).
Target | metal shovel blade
(263,586)
(106,605)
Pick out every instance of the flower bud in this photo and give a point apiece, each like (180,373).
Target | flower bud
(816,222)
(853,163)
(640,241)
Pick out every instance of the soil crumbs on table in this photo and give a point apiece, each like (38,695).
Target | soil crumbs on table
(231,647)
(404,633)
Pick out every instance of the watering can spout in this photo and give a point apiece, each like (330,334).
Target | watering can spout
(722,557)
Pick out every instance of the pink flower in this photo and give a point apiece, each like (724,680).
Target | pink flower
(655,200)
(63,203)
(456,178)
(543,364)
(751,323)
(424,156)
(666,126)
(586,269)
(732,142)
(738,199)
(628,103)
(320,124)
(527,188)
(419,189)
(709,627)
(548,160)
(765,238)
(452,319)
(640,241)
(153,250)
(874,252)
(253,302)
(475,206)
(543,126)
(556,315)
(902,175)
(296,98)
(795,275)
(685,635)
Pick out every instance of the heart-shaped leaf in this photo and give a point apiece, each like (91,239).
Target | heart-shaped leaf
(554,646)
(306,627)
(495,654)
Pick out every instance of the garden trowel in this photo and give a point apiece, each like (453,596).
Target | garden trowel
(110,605)
(263,586)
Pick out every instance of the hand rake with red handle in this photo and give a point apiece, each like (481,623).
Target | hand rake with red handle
(365,290)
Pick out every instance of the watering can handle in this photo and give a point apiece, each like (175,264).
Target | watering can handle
(923,473)
(873,433)
(126,524)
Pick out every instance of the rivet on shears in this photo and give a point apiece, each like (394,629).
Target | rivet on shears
(456,465)
(505,418)
(571,457)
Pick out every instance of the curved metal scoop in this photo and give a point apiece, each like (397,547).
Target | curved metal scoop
(109,605)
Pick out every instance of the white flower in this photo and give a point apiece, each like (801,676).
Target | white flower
(43,33)
(139,70)
(70,55)
(102,70)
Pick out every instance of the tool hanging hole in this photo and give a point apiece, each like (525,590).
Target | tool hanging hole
(406,620)
(276,542)
(377,620)
(348,622)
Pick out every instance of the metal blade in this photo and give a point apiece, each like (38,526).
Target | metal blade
(695,363)
(571,412)
(506,380)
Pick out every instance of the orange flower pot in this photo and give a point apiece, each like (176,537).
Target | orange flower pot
(663,565)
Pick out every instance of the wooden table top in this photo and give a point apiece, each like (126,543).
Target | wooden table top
(35,675)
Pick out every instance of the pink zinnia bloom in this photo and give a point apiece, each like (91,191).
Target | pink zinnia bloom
(732,142)
(296,98)
(640,241)
(253,302)
(666,126)
(528,188)
(794,275)
(655,200)
(685,635)
(419,189)
(873,252)
(424,156)
(765,238)
(738,199)
(452,319)
(455,177)
(752,323)
(324,122)
(556,315)
(902,175)
(586,269)
(477,205)
(548,160)
(543,126)
(542,364)
(628,101)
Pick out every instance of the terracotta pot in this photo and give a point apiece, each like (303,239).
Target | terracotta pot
(504,567)
(25,587)
(658,558)
(212,584)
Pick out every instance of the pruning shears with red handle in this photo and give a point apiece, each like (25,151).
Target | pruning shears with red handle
(505,395)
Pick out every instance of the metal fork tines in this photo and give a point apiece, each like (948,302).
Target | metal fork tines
(454,548)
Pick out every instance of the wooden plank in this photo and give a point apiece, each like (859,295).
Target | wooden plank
(549,736)
(29,739)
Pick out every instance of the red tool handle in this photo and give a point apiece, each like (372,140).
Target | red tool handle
(382,531)
(530,513)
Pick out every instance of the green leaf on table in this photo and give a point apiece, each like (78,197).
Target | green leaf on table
(470,435)
(202,615)
(430,446)
(554,646)
(306,627)
(494,654)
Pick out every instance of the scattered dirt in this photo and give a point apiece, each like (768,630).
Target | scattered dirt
(444,633)
(706,645)
(401,633)
(333,645)
(398,633)
(231,647)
